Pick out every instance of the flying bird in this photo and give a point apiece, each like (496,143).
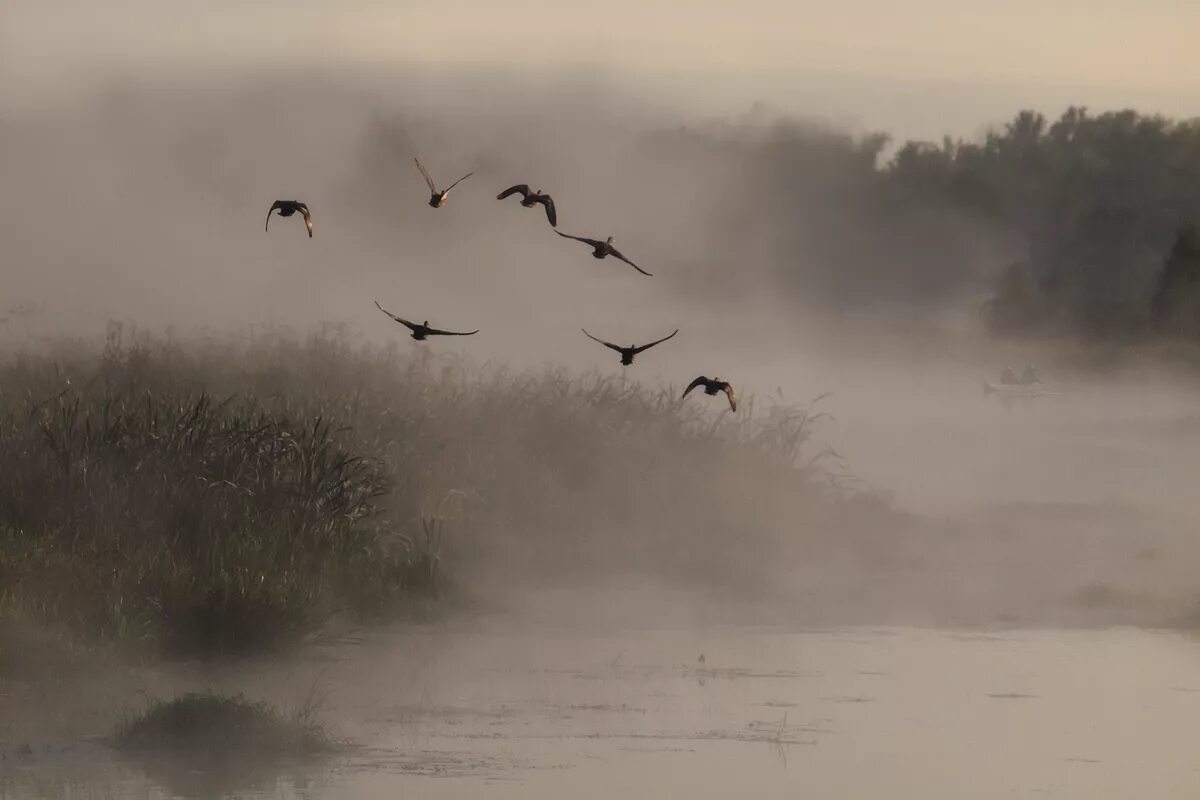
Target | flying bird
(438,199)
(530,199)
(288,207)
(422,330)
(602,249)
(712,386)
(627,353)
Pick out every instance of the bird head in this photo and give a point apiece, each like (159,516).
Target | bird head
(610,240)
(425,323)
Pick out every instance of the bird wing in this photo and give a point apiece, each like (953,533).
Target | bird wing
(551,214)
(609,345)
(645,347)
(592,242)
(617,253)
(425,175)
(401,320)
(523,188)
(457,182)
(701,381)
(307,217)
(728,390)
(275,205)
(436,332)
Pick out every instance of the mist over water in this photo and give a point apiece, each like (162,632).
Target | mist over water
(143,205)
(786,251)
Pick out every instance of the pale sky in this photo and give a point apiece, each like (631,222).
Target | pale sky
(876,62)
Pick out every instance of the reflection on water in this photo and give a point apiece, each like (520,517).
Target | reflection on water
(94,771)
(838,713)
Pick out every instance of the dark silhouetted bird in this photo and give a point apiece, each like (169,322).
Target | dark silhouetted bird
(288,207)
(422,330)
(530,199)
(712,386)
(627,353)
(602,249)
(437,199)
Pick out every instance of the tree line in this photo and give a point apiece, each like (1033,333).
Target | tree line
(1087,225)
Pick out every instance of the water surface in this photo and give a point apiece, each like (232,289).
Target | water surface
(839,713)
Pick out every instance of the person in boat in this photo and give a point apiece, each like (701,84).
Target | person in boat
(1008,377)
(1029,376)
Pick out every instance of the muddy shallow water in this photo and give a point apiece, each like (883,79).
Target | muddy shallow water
(852,713)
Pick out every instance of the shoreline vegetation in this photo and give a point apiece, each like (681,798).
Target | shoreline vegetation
(228,498)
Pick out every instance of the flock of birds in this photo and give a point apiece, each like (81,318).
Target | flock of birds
(600,249)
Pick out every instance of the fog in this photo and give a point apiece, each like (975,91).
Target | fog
(144,202)
(917,70)
(796,255)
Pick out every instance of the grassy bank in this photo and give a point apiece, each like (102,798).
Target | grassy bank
(225,496)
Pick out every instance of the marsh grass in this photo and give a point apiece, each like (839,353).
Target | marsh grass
(202,744)
(205,722)
(226,496)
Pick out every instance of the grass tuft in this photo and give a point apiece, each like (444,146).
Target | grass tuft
(204,722)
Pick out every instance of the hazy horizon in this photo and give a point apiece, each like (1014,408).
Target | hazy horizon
(917,72)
